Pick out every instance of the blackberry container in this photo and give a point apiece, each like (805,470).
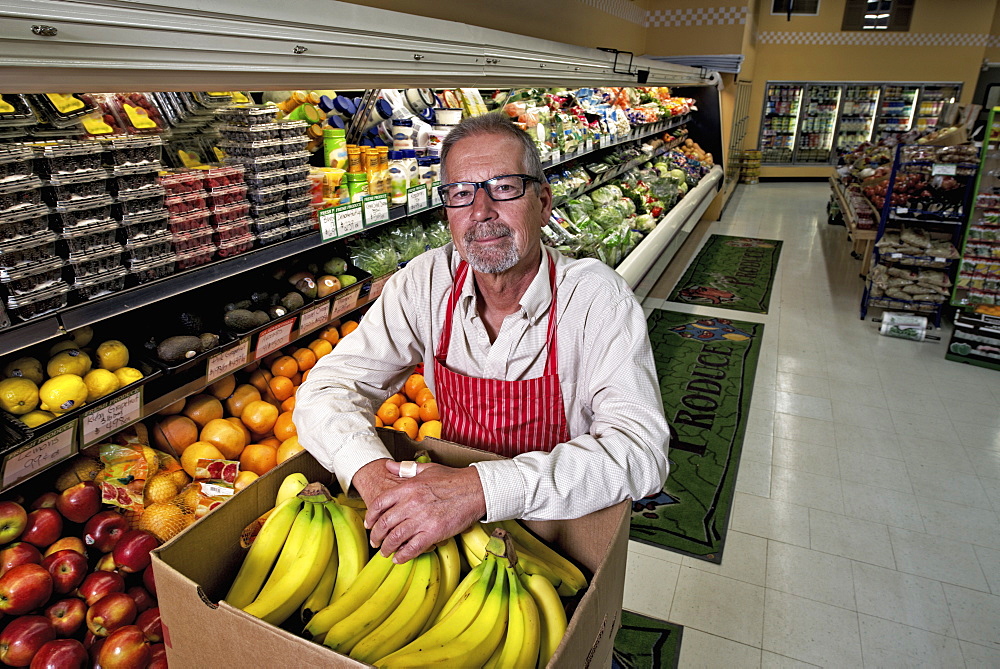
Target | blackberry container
(248,116)
(253,165)
(296,159)
(127,182)
(40,303)
(33,278)
(270,222)
(60,189)
(272,236)
(299,228)
(15,161)
(250,133)
(99,285)
(298,190)
(266,179)
(28,250)
(24,222)
(82,213)
(144,203)
(150,247)
(267,195)
(302,215)
(250,150)
(293,174)
(294,145)
(142,226)
(89,264)
(19,194)
(89,238)
(154,268)
(260,211)
(67,157)
(289,129)
(134,150)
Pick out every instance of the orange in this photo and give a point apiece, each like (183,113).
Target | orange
(243,479)
(260,416)
(330,334)
(223,388)
(173,409)
(259,458)
(197,451)
(429,411)
(281,387)
(269,359)
(304,375)
(225,436)
(289,404)
(347,328)
(407,425)
(431,428)
(413,385)
(288,448)
(399,399)
(260,378)
(241,397)
(284,428)
(270,441)
(175,433)
(297,379)
(285,366)
(423,395)
(321,347)
(203,408)
(247,437)
(388,412)
(305,358)
(410,410)
(378,422)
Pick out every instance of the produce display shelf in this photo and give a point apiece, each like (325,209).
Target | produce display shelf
(862,239)
(25,334)
(637,133)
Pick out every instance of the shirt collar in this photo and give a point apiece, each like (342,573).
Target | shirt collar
(534,302)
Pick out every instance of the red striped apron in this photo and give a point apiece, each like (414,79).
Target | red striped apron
(505,417)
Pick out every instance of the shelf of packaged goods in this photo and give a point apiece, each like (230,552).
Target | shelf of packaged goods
(641,132)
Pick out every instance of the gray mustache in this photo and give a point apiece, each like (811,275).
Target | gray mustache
(486,231)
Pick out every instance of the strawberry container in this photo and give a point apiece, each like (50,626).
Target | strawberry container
(24,222)
(228,213)
(182,183)
(232,230)
(67,156)
(184,241)
(195,220)
(228,175)
(178,205)
(195,257)
(99,285)
(154,268)
(227,195)
(236,246)
(135,112)
(39,303)
(20,194)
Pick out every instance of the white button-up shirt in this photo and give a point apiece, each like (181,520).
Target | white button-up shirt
(618,445)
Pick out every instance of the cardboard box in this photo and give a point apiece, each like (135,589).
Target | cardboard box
(194,570)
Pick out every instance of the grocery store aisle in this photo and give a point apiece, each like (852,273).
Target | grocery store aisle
(866,525)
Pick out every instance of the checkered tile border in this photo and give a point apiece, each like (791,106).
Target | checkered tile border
(623,9)
(994,42)
(871,38)
(698,16)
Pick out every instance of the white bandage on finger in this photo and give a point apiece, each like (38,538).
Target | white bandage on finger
(407,469)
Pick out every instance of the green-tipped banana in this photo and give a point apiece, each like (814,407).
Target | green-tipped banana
(290,487)
(352,546)
(263,553)
(520,648)
(370,578)
(552,615)
(572,578)
(319,598)
(461,591)
(475,538)
(351,629)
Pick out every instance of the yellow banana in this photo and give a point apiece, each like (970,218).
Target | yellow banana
(572,579)
(461,590)
(475,539)
(263,552)
(290,487)
(352,546)
(523,628)
(351,629)
(275,605)
(473,646)
(407,621)
(297,537)
(552,615)
(451,574)
(365,584)
(319,598)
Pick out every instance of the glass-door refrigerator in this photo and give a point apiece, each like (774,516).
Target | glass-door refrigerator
(857,116)
(818,120)
(897,109)
(782,103)
(933,98)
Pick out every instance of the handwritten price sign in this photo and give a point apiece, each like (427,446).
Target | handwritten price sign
(377,286)
(111,417)
(328,224)
(435,195)
(416,199)
(376,209)
(274,337)
(228,361)
(313,317)
(350,219)
(39,454)
(345,302)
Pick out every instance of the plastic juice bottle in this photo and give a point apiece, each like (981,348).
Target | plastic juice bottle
(385,185)
(371,170)
(398,177)
(357,185)
(335,147)
(354,159)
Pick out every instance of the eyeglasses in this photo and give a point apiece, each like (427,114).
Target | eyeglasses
(501,188)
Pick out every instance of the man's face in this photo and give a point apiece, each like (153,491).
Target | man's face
(494,237)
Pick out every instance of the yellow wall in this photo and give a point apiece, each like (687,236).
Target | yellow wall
(993,47)
(696,27)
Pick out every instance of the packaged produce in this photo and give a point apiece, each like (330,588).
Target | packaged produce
(195,257)
(271,236)
(135,112)
(32,278)
(248,116)
(24,222)
(182,182)
(227,195)
(178,205)
(138,228)
(214,100)
(235,245)
(19,194)
(150,246)
(82,213)
(219,176)
(15,111)
(15,162)
(95,263)
(98,285)
(40,303)
(153,269)
(267,195)
(266,179)
(83,184)
(62,110)
(192,239)
(193,220)
(89,238)
(141,203)
(266,211)
(299,202)
(223,214)
(131,182)
(134,150)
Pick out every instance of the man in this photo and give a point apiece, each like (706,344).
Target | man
(582,421)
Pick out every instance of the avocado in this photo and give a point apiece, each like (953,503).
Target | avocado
(335,266)
(260,299)
(276,312)
(209,340)
(178,349)
(347,279)
(261,317)
(293,301)
(307,286)
(240,320)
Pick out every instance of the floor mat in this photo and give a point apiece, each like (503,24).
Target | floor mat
(730,273)
(706,368)
(646,643)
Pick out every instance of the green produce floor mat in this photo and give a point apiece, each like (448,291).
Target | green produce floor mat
(646,643)
(706,368)
(730,273)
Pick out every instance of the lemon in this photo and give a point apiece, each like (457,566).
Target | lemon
(65,345)
(100,382)
(37,417)
(72,361)
(127,375)
(111,355)
(63,393)
(82,336)
(27,368)
(18,396)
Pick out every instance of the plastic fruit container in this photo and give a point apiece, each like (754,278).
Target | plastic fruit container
(213,100)
(15,111)
(62,110)
(260,149)
(181,183)
(227,231)
(96,263)
(135,112)
(67,156)
(248,116)
(194,220)
(260,211)
(228,213)
(291,129)
(294,145)
(227,195)
(299,203)
(298,189)
(127,180)
(144,204)
(90,238)
(301,215)
(293,174)
(40,303)
(272,236)
(98,285)
(132,150)
(24,222)
(84,184)
(195,257)
(28,250)
(15,161)
(236,245)
(228,175)
(20,194)
(267,223)
(258,165)
(266,179)
(250,133)
(296,159)
(192,239)
(150,246)
(32,278)
(178,205)
(267,195)
(154,268)
(82,213)
(300,228)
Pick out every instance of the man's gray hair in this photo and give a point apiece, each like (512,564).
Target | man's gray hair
(496,123)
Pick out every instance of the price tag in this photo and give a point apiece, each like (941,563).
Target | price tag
(350,219)
(555,156)
(328,224)
(39,453)
(376,209)
(345,302)
(588,146)
(435,195)
(111,417)
(940,260)
(228,361)
(274,337)
(902,211)
(313,317)
(416,199)
(378,284)
(216,490)
(944,169)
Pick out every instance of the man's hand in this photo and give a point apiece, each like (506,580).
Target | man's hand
(413,514)
(373,479)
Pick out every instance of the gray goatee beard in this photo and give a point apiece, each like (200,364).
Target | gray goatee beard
(502,257)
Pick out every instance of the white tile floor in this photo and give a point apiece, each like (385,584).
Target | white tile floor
(866,526)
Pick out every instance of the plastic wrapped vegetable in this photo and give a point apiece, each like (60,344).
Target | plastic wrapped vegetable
(625,206)
(606,195)
(437,233)
(608,217)
(375,256)
(584,202)
(644,223)
(409,241)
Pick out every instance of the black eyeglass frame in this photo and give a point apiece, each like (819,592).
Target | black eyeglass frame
(525,178)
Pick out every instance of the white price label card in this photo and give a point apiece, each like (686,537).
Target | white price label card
(378,284)
(943,169)
(416,199)
(313,317)
(216,490)
(328,224)
(902,211)
(228,361)
(940,260)
(895,255)
(39,453)
(435,195)
(111,417)
(555,156)
(376,209)
(350,218)
(345,302)
(274,337)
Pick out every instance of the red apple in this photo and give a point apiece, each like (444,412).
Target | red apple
(13,519)
(18,553)
(143,600)
(94,648)
(149,580)
(106,563)
(43,528)
(89,639)
(24,588)
(47,500)
(66,543)
(157,656)
(61,654)
(68,569)
(110,612)
(104,529)
(22,638)
(67,615)
(132,551)
(149,622)
(125,648)
(78,503)
(98,584)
